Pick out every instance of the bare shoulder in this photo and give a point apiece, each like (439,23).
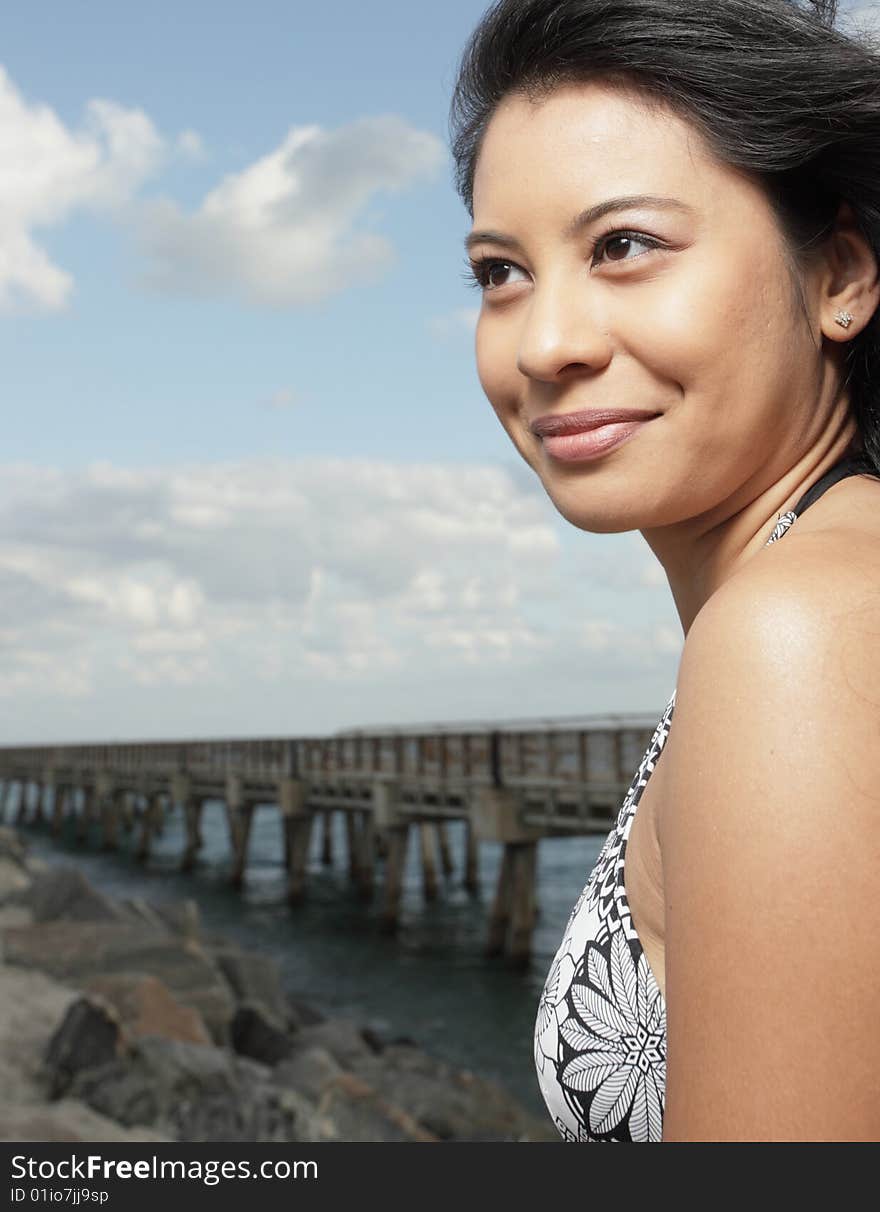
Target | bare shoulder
(771,853)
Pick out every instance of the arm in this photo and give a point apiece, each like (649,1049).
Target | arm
(771,859)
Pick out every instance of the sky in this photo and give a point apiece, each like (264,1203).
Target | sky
(250,484)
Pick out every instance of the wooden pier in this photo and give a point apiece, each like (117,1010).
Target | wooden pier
(511,785)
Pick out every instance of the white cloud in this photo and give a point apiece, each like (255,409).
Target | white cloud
(288,230)
(50,171)
(319,577)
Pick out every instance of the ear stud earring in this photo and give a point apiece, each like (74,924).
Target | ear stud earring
(844,319)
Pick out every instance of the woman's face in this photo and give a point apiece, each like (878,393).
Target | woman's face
(693,316)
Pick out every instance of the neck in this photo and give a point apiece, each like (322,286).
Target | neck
(701,553)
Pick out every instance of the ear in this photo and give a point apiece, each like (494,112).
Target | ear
(851,282)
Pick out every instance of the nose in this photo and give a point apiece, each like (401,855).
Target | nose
(560,330)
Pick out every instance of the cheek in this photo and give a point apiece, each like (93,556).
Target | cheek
(496,365)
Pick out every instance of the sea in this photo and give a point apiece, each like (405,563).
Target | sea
(430,981)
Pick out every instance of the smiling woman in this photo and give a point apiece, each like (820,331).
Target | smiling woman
(676,236)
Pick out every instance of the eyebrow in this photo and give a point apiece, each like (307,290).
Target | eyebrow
(585,218)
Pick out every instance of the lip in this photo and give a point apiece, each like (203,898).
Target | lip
(559,424)
(586,444)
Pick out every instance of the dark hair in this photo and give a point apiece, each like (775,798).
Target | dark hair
(774,89)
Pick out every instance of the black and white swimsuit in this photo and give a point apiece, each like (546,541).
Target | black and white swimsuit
(600,1032)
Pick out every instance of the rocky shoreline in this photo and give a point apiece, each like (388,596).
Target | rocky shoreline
(123,1020)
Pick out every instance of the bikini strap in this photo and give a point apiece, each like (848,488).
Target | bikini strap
(850,465)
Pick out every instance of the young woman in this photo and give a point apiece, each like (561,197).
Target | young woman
(676,225)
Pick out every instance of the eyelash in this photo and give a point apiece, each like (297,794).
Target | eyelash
(477,271)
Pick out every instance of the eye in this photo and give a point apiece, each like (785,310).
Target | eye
(480,272)
(629,238)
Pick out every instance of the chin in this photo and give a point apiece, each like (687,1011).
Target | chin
(597,522)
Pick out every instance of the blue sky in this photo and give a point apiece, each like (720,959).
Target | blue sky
(251,484)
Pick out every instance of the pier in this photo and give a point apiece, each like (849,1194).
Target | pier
(512,785)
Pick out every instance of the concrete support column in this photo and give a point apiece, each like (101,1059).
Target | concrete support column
(60,799)
(105,794)
(499,914)
(86,814)
(239,815)
(193,806)
(428,855)
(380,844)
(40,807)
(471,858)
(21,810)
(443,845)
(4,799)
(151,813)
(327,837)
(297,822)
(391,822)
(496,815)
(132,808)
(366,847)
(351,841)
(523,909)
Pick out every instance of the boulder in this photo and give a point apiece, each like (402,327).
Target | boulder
(256,1034)
(75,952)
(197,1093)
(180,917)
(136,909)
(66,1120)
(145,1006)
(342,1038)
(254,979)
(87,1036)
(308,1070)
(64,893)
(451,1104)
(13,846)
(31,1007)
(357,1112)
(13,877)
(301,1013)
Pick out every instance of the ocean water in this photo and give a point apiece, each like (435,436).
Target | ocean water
(430,981)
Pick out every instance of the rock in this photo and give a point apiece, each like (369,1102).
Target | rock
(147,1007)
(301,1014)
(12,846)
(254,979)
(342,1037)
(197,1093)
(75,952)
(138,910)
(66,1120)
(359,1113)
(13,915)
(31,1006)
(180,917)
(450,1104)
(308,1070)
(87,1036)
(372,1039)
(65,893)
(13,877)
(255,1034)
